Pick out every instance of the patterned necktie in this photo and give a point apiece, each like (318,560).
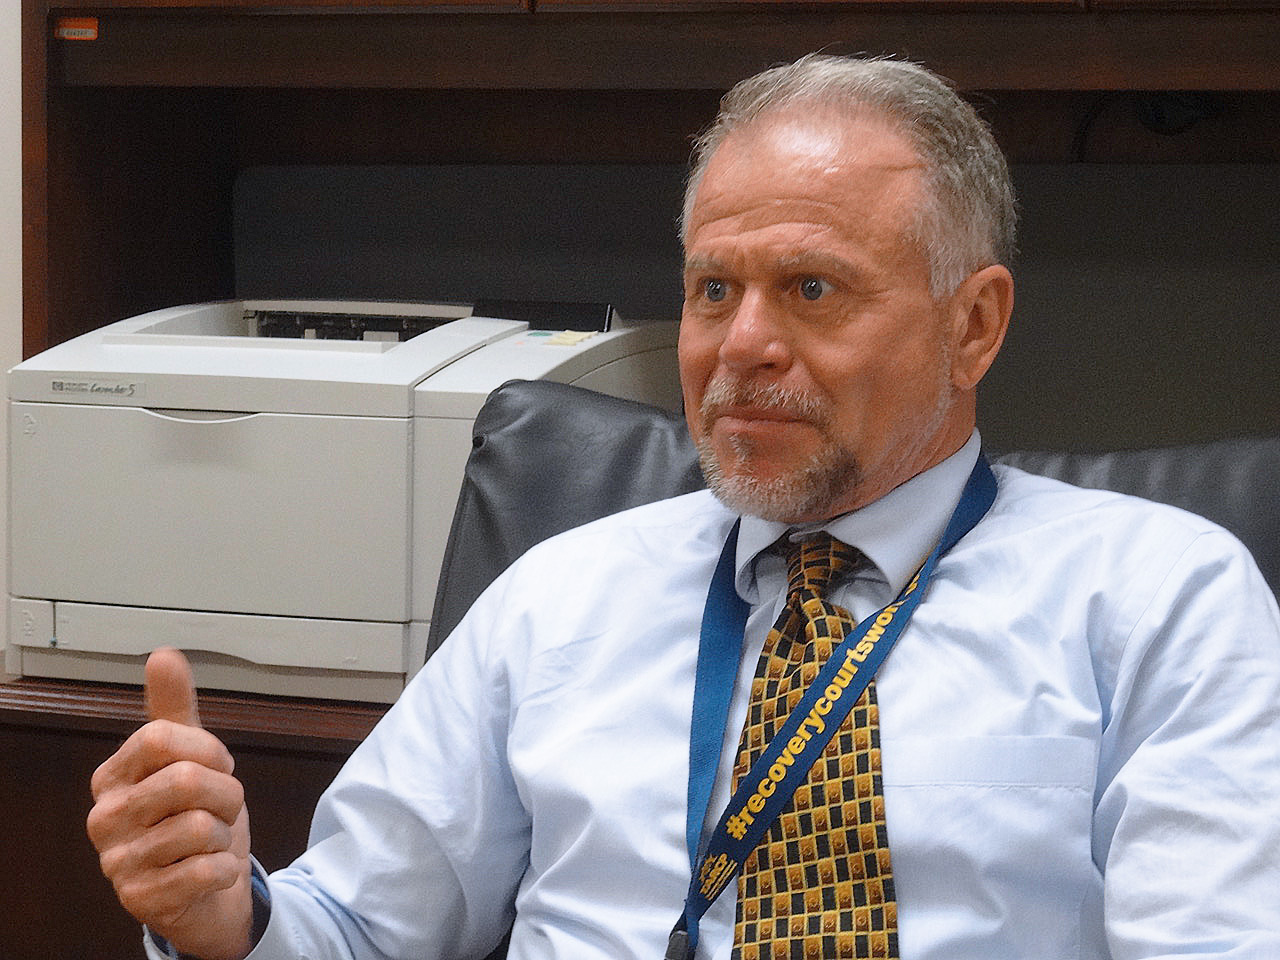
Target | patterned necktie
(820,884)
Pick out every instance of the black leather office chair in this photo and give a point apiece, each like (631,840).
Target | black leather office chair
(548,457)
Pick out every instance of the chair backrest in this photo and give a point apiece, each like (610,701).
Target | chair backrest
(548,457)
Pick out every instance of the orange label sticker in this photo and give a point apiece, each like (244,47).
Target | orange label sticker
(76,28)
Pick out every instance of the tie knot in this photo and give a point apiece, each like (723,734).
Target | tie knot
(816,561)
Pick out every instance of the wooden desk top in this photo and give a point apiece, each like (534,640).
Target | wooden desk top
(240,719)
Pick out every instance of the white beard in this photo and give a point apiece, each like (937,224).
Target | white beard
(805,491)
(826,483)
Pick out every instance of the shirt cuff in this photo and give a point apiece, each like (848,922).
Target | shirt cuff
(158,948)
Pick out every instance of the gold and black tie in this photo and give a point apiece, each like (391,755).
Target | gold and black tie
(820,883)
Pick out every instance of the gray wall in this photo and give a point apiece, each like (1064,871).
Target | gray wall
(1148,296)
(1148,308)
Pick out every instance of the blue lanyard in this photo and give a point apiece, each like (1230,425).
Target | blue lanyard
(785,762)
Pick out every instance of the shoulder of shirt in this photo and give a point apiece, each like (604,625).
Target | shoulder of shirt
(656,549)
(689,517)
(1028,500)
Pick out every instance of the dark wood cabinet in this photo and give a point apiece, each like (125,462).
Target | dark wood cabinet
(53,735)
(132,139)
(139,115)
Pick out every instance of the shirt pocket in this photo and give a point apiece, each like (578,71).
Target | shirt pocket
(990,840)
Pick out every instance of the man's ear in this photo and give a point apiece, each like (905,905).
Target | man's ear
(980,311)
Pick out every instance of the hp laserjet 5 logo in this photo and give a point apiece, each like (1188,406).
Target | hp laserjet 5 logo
(98,388)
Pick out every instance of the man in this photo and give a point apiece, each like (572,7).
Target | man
(1071,751)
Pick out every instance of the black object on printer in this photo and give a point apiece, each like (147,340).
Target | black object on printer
(312,325)
(548,314)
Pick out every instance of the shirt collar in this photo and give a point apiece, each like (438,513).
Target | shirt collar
(896,532)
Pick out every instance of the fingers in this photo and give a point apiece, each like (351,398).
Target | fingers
(123,813)
(155,746)
(171,688)
(174,841)
(164,897)
(187,835)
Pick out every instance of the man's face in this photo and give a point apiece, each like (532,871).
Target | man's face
(815,364)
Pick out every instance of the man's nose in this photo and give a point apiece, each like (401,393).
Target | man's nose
(756,336)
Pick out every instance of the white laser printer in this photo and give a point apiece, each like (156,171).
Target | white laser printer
(267,485)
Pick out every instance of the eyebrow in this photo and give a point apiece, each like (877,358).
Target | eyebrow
(820,262)
(814,261)
(700,263)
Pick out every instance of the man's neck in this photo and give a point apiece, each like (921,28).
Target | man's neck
(896,531)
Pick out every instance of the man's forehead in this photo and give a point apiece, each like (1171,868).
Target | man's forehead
(821,170)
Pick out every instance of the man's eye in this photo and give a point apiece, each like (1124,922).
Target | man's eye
(715,290)
(812,288)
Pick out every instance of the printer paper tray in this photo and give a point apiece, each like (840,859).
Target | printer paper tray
(274,514)
(292,656)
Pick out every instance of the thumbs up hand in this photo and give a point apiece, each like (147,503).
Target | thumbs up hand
(170,825)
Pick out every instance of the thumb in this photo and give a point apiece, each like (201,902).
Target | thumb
(170,688)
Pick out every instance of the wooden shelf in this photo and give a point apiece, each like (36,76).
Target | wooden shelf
(132,141)
(982,49)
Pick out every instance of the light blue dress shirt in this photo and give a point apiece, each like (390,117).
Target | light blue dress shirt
(1080,732)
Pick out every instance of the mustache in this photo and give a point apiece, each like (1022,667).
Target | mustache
(727,393)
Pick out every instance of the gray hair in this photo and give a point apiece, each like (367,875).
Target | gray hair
(968,218)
